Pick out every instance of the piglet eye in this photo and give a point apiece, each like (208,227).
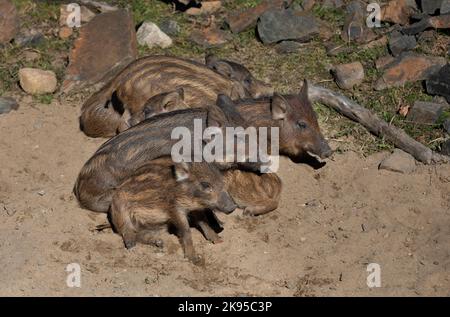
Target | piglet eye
(205,185)
(301,125)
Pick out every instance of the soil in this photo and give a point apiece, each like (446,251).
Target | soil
(332,223)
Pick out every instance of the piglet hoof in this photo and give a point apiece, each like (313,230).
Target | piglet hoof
(129,244)
(248,212)
(217,241)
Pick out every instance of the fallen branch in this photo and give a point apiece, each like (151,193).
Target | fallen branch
(375,125)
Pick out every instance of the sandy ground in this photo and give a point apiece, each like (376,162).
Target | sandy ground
(331,224)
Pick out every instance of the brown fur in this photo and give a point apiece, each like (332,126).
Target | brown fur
(151,139)
(162,193)
(299,130)
(150,76)
(257,194)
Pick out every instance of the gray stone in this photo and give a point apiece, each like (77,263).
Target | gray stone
(445,148)
(7,104)
(399,161)
(399,43)
(30,38)
(9,21)
(446,125)
(426,112)
(430,6)
(445,7)
(279,25)
(349,75)
(149,34)
(439,83)
(170,27)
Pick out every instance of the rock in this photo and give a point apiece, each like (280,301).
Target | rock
(384,62)
(441,100)
(436,22)
(398,43)
(9,21)
(170,27)
(446,125)
(149,34)
(240,21)
(430,6)
(36,81)
(439,83)
(210,37)
(30,38)
(288,47)
(65,32)
(7,104)
(397,12)
(355,27)
(104,46)
(445,7)
(207,7)
(409,67)
(445,148)
(349,75)
(278,25)
(399,161)
(426,112)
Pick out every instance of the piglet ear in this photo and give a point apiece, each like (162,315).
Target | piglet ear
(304,91)
(279,107)
(220,66)
(181,171)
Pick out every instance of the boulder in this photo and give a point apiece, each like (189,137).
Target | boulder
(279,25)
(409,67)
(105,45)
